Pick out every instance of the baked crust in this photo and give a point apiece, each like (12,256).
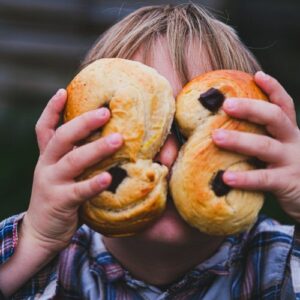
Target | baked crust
(142,109)
(199,160)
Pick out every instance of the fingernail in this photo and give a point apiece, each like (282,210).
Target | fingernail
(60,92)
(104,178)
(219,135)
(230,104)
(229,177)
(114,139)
(263,75)
(102,112)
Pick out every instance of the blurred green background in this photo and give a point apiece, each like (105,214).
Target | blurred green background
(42,43)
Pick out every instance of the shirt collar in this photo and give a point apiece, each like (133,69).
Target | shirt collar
(102,262)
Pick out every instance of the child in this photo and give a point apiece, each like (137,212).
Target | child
(44,254)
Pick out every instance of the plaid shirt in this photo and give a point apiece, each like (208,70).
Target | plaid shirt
(263,263)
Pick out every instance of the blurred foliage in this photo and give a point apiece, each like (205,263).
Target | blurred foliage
(18,158)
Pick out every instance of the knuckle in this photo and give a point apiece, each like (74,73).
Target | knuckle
(85,121)
(264,178)
(85,189)
(245,105)
(59,132)
(266,145)
(232,138)
(77,192)
(93,186)
(72,160)
(247,109)
(102,146)
(59,135)
(277,113)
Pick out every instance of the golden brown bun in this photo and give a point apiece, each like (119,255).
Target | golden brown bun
(196,186)
(142,109)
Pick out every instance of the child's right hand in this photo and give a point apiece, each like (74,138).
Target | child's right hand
(52,216)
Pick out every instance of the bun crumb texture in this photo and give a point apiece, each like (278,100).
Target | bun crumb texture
(198,191)
(142,109)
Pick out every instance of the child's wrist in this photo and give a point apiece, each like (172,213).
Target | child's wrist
(36,241)
(28,259)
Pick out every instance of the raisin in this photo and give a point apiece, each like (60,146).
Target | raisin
(212,99)
(118,174)
(219,187)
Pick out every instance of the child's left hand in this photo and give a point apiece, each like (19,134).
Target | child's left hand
(280,150)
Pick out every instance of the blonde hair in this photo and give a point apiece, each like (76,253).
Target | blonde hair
(181,26)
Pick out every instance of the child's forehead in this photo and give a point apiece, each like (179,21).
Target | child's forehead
(198,60)
(158,56)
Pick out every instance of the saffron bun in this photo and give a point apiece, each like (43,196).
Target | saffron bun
(196,185)
(142,109)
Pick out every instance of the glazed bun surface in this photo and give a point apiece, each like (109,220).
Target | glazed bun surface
(142,109)
(196,185)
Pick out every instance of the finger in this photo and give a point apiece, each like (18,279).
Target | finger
(264,113)
(48,121)
(262,180)
(263,147)
(75,162)
(70,133)
(277,94)
(83,190)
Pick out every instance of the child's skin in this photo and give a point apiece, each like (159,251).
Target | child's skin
(51,219)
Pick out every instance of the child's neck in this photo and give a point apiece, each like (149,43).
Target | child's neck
(161,264)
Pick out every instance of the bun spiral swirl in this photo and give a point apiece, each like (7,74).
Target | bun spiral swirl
(142,109)
(199,193)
